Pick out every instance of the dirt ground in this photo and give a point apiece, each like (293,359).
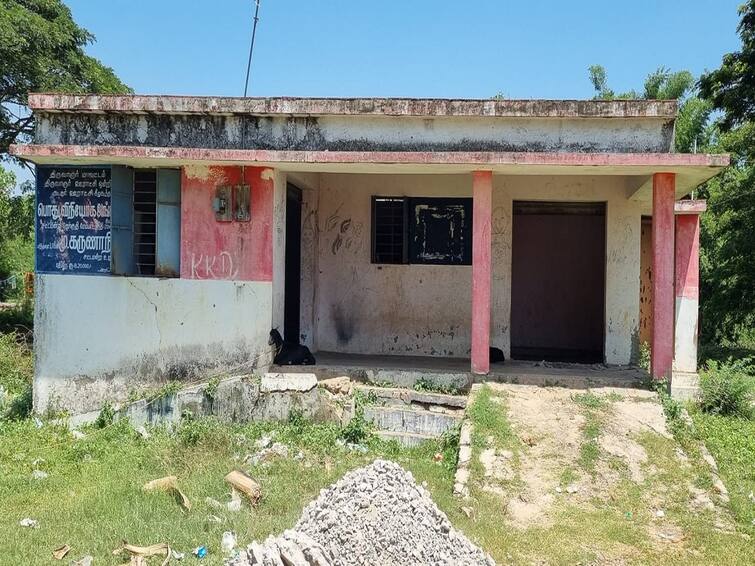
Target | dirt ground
(579,450)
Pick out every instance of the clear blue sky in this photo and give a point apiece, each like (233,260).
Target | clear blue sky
(417,48)
(473,48)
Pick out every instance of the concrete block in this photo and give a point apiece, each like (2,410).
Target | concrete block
(235,399)
(407,420)
(281,382)
(685,386)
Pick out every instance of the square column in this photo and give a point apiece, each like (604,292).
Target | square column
(482,209)
(662,346)
(687,286)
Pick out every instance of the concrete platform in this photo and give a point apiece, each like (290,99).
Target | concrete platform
(405,371)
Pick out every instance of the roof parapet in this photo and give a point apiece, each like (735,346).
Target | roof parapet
(291,106)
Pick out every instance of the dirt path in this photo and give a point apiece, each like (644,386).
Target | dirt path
(581,451)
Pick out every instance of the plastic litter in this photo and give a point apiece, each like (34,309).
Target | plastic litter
(228,542)
(30,523)
(39,475)
(200,551)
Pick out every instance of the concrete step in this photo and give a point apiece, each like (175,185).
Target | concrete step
(398,396)
(407,439)
(414,421)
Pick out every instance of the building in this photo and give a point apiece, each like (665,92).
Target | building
(174,232)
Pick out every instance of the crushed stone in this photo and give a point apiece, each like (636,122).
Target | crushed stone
(373,515)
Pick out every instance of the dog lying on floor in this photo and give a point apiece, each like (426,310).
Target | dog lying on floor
(496,355)
(288,353)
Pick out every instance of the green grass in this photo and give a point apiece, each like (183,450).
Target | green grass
(93,497)
(594,409)
(16,372)
(731,441)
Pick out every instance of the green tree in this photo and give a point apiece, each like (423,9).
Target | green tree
(42,49)
(728,234)
(662,84)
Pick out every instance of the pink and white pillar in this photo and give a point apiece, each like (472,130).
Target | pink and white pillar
(662,343)
(687,284)
(482,210)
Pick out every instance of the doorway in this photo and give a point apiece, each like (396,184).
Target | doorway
(292,291)
(558,281)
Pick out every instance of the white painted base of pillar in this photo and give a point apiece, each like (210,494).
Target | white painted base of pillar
(685,386)
(685,335)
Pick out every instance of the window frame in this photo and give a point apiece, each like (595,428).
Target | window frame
(409,254)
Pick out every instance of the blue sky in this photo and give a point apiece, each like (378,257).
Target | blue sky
(525,49)
(417,48)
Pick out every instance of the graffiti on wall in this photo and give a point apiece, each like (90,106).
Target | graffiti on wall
(343,234)
(220,266)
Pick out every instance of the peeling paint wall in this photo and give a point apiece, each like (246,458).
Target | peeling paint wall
(98,338)
(386,309)
(425,309)
(359,133)
(239,251)
(622,252)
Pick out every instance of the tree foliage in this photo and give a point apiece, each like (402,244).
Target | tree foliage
(728,234)
(42,49)
(731,87)
(663,84)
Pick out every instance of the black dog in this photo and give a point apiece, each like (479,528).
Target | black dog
(288,353)
(496,355)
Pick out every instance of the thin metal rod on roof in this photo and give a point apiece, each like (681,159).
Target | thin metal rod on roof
(251,47)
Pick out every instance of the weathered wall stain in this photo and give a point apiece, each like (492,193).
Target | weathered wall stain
(355,133)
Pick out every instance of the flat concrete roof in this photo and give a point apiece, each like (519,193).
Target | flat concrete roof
(691,169)
(292,106)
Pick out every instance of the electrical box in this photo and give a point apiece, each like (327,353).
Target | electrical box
(242,203)
(222,203)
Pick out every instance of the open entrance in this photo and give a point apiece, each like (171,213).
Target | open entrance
(292,298)
(558,281)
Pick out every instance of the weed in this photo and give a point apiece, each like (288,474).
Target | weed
(167,390)
(489,419)
(645,356)
(106,416)
(211,389)
(727,388)
(431,386)
(588,400)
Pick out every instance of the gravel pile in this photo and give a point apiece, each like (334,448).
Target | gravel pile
(374,515)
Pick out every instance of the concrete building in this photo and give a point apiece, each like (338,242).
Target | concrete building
(174,232)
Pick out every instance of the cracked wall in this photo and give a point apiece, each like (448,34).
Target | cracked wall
(98,338)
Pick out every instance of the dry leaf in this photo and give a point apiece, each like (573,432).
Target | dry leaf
(60,552)
(169,483)
(138,553)
(246,485)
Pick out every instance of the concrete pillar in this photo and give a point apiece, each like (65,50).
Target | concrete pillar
(482,210)
(663,275)
(687,291)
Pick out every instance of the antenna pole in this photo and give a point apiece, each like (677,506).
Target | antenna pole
(251,47)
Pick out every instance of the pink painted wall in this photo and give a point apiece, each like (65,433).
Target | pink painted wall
(688,256)
(240,251)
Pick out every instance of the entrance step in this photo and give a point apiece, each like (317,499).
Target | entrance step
(410,420)
(407,439)
(436,402)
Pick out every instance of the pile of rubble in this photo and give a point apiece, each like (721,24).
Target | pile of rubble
(373,515)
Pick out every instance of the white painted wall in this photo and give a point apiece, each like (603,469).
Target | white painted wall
(426,310)
(99,337)
(685,335)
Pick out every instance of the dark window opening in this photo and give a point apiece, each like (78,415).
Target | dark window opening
(422,230)
(389,242)
(145,221)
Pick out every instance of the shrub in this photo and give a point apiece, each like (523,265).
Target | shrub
(727,388)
